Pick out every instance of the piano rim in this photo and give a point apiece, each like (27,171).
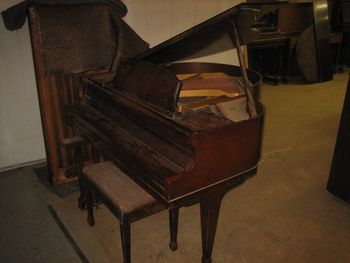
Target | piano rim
(237,178)
(234,180)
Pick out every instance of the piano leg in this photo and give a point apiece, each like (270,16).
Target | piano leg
(173,223)
(210,209)
(89,202)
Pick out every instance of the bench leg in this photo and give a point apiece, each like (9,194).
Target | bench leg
(78,160)
(89,202)
(125,237)
(173,223)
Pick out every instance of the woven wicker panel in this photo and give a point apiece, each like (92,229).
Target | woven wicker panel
(76,38)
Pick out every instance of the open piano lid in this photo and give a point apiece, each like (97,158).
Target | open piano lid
(212,36)
(160,88)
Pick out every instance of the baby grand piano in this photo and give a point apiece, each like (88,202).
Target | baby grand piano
(186,132)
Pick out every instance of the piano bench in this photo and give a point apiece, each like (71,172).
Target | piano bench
(125,199)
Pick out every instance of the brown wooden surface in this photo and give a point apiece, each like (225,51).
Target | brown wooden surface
(120,190)
(49,88)
(55,92)
(294,18)
(171,156)
(149,92)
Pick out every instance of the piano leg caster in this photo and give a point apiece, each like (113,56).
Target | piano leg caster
(173,223)
(208,260)
(82,203)
(173,246)
(91,221)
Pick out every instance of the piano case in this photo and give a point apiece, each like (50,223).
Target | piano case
(172,154)
(140,121)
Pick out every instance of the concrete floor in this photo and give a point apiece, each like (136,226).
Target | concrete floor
(284,214)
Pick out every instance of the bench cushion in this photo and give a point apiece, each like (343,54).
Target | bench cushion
(120,190)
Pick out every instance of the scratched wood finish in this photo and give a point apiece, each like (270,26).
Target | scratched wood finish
(173,155)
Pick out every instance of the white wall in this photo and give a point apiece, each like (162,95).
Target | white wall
(158,20)
(21,138)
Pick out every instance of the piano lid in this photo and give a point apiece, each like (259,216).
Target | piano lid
(210,37)
(160,88)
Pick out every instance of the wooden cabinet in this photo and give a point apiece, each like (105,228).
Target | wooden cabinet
(57,67)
